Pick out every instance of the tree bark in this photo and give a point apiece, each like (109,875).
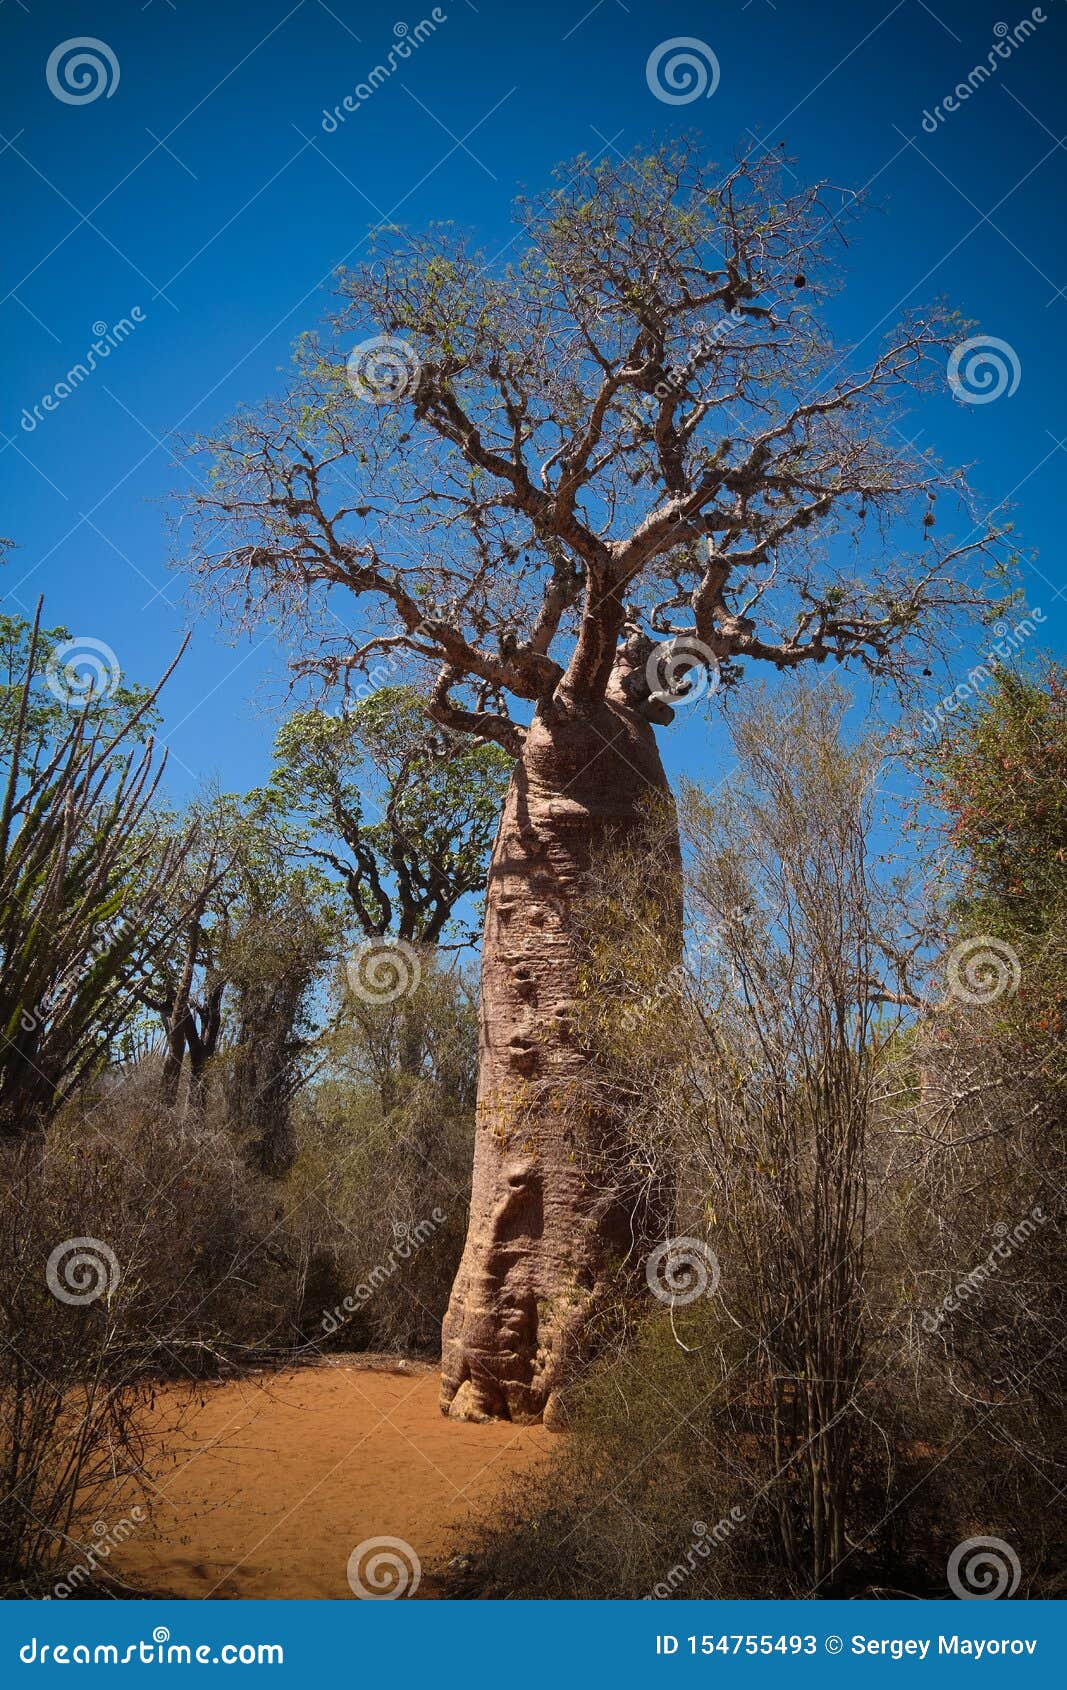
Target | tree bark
(260,1077)
(548,1236)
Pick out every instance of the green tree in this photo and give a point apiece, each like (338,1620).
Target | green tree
(282,930)
(999,773)
(236,978)
(62,687)
(401,809)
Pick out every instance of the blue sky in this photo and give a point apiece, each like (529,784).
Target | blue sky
(204,191)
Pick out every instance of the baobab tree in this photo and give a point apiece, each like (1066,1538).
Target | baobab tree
(554,490)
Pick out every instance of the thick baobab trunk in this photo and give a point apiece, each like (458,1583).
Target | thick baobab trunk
(548,1234)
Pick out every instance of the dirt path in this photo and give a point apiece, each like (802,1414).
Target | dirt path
(282,1476)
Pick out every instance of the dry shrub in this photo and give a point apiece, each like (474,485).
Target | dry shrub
(674,1480)
(168,1271)
(381,1224)
(967,1287)
(840,1167)
(205,1267)
(663,1485)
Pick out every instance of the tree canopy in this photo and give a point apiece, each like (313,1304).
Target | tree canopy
(403,811)
(638,428)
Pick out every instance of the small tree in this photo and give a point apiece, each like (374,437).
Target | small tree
(403,811)
(574,482)
(284,931)
(236,978)
(182,981)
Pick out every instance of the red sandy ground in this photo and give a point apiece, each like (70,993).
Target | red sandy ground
(280,1476)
